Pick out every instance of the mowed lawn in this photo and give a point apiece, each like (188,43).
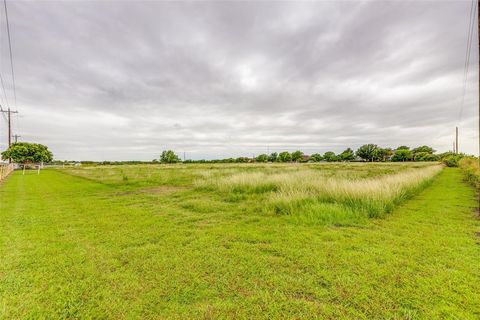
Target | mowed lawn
(162,246)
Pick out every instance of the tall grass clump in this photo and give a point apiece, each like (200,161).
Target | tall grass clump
(325,197)
(371,196)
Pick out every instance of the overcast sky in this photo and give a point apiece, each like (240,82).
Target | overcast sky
(125,80)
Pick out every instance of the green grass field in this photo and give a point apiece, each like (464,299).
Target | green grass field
(325,241)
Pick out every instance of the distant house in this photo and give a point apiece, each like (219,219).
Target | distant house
(305,158)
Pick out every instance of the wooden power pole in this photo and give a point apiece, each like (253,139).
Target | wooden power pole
(9,127)
(9,114)
(478,26)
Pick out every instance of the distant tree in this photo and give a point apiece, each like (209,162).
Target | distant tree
(402,155)
(381,154)
(316,157)
(25,152)
(425,149)
(425,156)
(297,156)
(273,157)
(262,158)
(347,155)
(242,160)
(403,148)
(368,152)
(330,156)
(168,156)
(285,156)
(388,153)
(424,153)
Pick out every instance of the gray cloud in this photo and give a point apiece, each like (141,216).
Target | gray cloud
(124,80)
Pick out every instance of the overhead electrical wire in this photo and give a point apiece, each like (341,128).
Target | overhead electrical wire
(11,54)
(466,66)
(6,100)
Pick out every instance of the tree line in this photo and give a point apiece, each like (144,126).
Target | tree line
(23,152)
(365,153)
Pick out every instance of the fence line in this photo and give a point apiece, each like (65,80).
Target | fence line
(5,170)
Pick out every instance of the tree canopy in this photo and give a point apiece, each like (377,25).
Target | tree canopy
(368,152)
(297,156)
(381,154)
(285,156)
(25,152)
(168,156)
(273,157)
(262,158)
(425,156)
(316,157)
(425,149)
(402,155)
(347,155)
(330,156)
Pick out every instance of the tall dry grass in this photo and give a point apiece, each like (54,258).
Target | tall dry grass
(323,191)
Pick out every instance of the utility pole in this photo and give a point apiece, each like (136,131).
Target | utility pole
(16,136)
(478,25)
(456,138)
(9,114)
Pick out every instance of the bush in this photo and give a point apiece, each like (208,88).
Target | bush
(452,160)
(469,166)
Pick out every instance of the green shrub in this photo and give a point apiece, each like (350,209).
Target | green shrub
(471,169)
(452,160)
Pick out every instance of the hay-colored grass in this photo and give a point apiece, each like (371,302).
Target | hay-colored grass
(301,191)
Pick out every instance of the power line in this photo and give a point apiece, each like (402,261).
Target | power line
(2,82)
(4,91)
(468,50)
(11,55)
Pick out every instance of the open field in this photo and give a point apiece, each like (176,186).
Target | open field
(240,241)
(343,193)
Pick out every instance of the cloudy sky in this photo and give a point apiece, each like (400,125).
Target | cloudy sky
(122,80)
